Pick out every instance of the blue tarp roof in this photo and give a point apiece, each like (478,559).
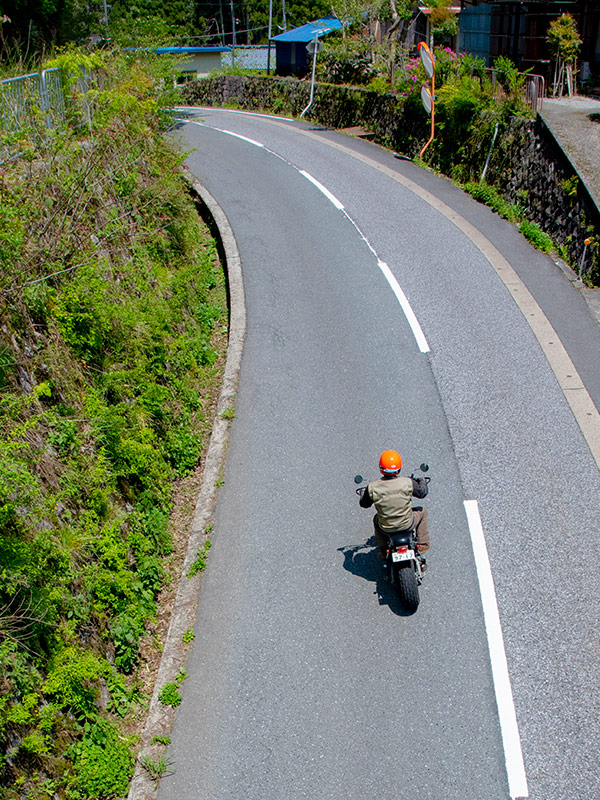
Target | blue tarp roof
(306,33)
(190,50)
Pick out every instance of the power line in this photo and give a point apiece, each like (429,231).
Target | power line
(225,33)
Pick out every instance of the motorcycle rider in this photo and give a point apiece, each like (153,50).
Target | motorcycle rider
(392,494)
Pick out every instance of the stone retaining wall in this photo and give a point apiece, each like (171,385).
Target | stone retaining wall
(527,164)
(539,175)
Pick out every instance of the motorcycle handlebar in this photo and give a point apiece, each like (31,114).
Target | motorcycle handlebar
(362,489)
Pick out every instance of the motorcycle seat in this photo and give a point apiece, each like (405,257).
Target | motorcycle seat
(399,538)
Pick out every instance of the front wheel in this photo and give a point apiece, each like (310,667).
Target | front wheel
(406,583)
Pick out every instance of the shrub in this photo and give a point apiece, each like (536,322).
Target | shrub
(346,61)
(102,764)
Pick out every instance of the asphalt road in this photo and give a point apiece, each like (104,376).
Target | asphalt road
(307,680)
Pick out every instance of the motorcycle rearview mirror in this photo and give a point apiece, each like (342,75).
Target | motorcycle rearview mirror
(424,467)
(358,479)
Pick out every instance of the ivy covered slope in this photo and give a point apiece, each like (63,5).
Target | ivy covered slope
(111,300)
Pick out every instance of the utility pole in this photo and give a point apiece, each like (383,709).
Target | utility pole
(284,17)
(222,22)
(106,7)
(269,37)
(234,42)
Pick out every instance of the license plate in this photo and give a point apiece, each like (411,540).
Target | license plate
(408,556)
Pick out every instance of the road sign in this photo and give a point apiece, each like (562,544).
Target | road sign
(315,46)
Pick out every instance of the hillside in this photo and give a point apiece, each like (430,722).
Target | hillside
(112,329)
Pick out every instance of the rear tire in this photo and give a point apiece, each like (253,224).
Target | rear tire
(406,583)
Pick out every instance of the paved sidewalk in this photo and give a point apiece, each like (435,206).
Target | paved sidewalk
(579,136)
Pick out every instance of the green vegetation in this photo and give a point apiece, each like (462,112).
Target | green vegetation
(111,306)
(514,213)
(491,197)
(564,45)
(199,564)
(189,636)
(536,236)
(169,694)
(28,30)
(229,413)
(156,768)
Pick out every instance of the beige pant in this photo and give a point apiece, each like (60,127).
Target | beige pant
(421,529)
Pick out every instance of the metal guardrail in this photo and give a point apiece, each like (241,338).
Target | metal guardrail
(22,98)
(535,91)
(534,88)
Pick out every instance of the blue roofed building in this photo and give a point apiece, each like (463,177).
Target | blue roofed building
(291,56)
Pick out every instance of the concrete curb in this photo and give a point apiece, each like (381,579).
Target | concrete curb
(160,718)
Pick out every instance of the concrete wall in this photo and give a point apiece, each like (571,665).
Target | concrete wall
(200,64)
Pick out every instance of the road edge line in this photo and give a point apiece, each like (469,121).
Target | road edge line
(507,715)
(159,719)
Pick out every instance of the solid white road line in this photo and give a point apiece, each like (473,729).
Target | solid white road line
(410,315)
(321,188)
(513,755)
(406,307)
(236,135)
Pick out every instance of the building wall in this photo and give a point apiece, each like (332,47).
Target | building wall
(474,31)
(200,63)
(291,58)
(518,30)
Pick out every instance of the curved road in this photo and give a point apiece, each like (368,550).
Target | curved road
(307,680)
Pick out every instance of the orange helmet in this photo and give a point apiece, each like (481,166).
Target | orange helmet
(390,463)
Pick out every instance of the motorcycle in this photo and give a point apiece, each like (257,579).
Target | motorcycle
(403,564)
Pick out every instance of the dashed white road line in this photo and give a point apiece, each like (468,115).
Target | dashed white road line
(237,136)
(513,755)
(405,305)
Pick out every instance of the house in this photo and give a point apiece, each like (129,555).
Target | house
(291,56)
(518,30)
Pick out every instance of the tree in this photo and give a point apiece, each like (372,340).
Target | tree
(148,22)
(357,13)
(31,27)
(564,44)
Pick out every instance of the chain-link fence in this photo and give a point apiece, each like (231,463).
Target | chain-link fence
(29,104)
(248,57)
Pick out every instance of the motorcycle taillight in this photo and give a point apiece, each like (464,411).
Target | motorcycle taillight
(402,549)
